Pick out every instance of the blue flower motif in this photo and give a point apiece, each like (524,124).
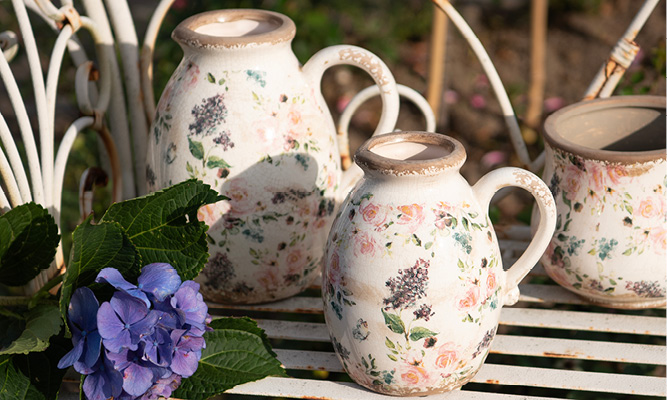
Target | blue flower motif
(82,312)
(105,382)
(123,321)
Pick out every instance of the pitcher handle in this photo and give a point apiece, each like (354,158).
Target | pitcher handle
(377,69)
(484,190)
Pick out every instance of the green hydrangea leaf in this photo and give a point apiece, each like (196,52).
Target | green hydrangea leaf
(28,241)
(243,324)
(42,322)
(42,367)
(14,385)
(95,247)
(233,355)
(163,226)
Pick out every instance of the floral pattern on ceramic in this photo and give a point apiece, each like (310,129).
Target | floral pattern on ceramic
(606,220)
(242,115)
(610,241)
(413,281)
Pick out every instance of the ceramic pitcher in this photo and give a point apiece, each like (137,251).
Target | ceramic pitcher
(605,165)
(242,115)
(413,281)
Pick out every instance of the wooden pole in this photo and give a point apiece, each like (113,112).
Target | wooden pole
(538,46)
(436,68)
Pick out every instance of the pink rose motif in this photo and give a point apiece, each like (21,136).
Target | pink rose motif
(335,272)
(595,176)
(240,201)
(491,284)
(414,357)
(572,181)
(267,132)
(296,260)
(615,173)
(166,98)
(366,245)
(211,213)
(372,213)
(652,206)
(268,279)
(447,357)
(469,300)
(191,75)
(414,375)
(411,216)
(658,237)
(443,216)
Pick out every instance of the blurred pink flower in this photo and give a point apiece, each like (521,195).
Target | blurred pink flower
(552,104)
(481,81)
(477,101)
(451,97)
(493,158)
(342,102)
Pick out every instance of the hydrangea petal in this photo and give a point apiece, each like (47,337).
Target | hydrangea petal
(184,363)
(113,277)
(104,383)
(129,309)
(160,280)
(72,356)
(137,379)
(92,349)
(82,309)
(108,323)
(188,300)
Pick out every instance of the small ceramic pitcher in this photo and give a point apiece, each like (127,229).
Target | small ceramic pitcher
(413,281)
(241,114)
(605,165)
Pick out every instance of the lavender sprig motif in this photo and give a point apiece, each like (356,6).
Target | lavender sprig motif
(143,341)
(210,113)
(408,287)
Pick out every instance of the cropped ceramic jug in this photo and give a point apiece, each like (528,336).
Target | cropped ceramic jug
(242,115)
(413,281)
(605,165)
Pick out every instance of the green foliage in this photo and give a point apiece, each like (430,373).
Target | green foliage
(95,247)
(236,352)
(28,241)
(394,322)
(163,226)
(14,385)
(42,322)
(418,333)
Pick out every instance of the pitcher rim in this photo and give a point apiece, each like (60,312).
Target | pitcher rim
(186,33)
(370,161)
(554,139)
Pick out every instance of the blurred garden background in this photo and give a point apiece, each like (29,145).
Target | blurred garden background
(580,35)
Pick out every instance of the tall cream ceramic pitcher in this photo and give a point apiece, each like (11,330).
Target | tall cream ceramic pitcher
(242,115)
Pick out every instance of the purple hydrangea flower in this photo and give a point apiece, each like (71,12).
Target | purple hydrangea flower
(158,279)
(163,388)
(189,303)
(82,314)
(105,382)
(159,348)
(138,373)
(187,352)
(123,321)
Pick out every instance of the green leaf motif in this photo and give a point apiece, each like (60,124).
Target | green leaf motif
(196,149)
(231,357)
(217,162)
(389,343)
(14,385)
(95,247)
(394,322)
(42,322)
(418,333)
(163,226)
(28,241)
(210,77)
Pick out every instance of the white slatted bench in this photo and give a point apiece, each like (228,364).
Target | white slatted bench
(520,356)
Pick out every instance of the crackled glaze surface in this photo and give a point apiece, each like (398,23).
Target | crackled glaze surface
(610,243)
(413,281)
(242,116)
